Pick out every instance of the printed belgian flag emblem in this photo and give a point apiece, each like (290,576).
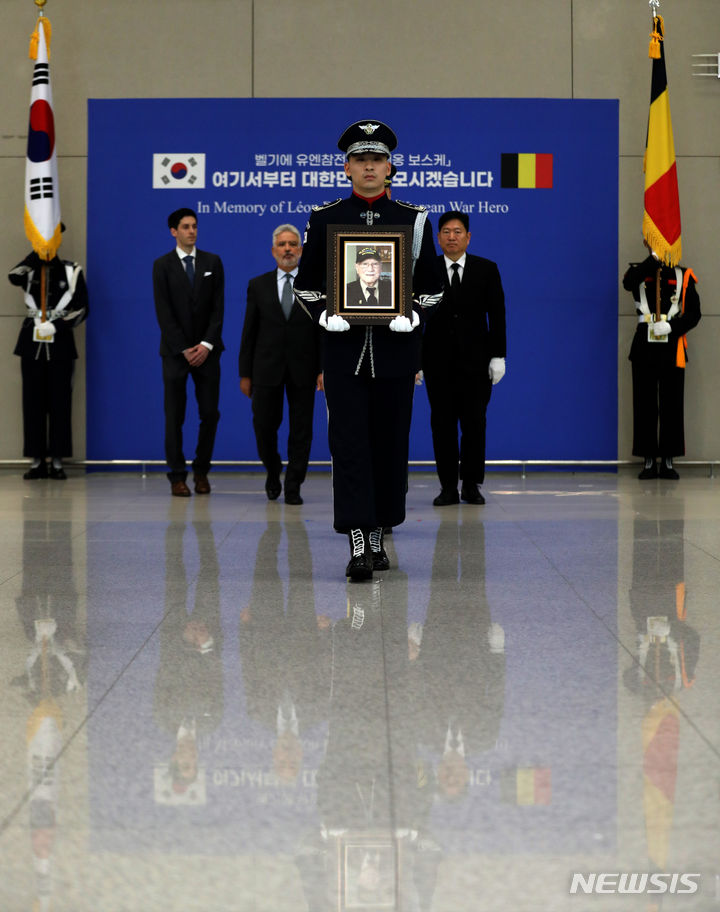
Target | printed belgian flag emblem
(526,785)
(526,170)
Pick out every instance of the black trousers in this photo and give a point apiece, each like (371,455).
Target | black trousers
(267,409)
(658,410)
(207,393)
(368,434)
(458,400)
(47,401)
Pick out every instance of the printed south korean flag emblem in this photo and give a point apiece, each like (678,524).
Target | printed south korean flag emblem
(176,170)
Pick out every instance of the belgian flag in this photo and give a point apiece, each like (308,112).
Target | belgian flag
(661,218)
(526,170)
(526,785)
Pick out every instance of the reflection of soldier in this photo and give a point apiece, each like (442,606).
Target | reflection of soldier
(285,654)
(667,654)
(667,647)
(56,663)
(47,607)
(461,657)
(369,781)
(189,687)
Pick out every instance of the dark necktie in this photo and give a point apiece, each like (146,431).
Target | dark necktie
(189,269)
(286,301)
(455,281)
(371,299)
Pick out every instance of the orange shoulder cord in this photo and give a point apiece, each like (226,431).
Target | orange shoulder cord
(681,357)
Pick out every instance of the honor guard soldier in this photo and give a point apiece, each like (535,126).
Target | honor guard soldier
(369,371)
(668,307)
(47,351)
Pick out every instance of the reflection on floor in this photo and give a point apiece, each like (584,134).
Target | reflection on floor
(199,713)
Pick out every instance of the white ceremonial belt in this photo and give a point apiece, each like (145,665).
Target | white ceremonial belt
(651,318)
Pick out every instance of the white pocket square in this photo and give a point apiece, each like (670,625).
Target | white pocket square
(205,275)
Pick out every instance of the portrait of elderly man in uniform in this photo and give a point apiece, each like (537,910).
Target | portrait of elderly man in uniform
(368,289)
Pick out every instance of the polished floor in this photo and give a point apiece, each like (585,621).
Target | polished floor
(199,714)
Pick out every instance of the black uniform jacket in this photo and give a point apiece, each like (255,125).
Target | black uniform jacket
(468,328)
(661,354)
(189,314)
(27,276)
(272,345)
(391,354)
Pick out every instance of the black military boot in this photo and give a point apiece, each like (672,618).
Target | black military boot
(666,468)
(649,469)
(379,554)
(360,566)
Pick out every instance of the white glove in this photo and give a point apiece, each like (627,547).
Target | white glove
(335,324)
(496,369)
(496,639)
(403,325)
(44,330)
(661,328)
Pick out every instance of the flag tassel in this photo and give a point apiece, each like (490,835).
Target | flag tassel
(44,23)
(656,37)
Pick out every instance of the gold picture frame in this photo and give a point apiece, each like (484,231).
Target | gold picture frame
(368,872)
(369,273)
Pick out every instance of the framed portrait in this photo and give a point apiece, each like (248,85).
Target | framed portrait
(369,273)
(368,871)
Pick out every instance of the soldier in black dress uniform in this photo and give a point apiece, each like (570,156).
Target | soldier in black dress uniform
(658,355)
(48,354)
(369,371)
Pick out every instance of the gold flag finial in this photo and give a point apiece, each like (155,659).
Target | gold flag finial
(40,4)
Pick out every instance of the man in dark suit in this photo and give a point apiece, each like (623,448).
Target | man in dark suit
(189,288)
(463,356)
(368,290)
(280,355)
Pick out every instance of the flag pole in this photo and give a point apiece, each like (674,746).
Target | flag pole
(654,8)
(44,268)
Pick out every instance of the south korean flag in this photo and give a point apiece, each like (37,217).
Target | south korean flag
(178,170)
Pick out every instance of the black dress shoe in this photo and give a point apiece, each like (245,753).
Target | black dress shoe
(380,559)
(293,498)
(360,565)
(649,470)
(57,473)
(39,471)
(446,497)
(273,488)
(470,493)
(667,470)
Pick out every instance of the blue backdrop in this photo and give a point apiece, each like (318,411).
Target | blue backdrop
(248,165)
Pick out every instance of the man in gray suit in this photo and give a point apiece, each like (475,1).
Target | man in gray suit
(189,289)
(280,356)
